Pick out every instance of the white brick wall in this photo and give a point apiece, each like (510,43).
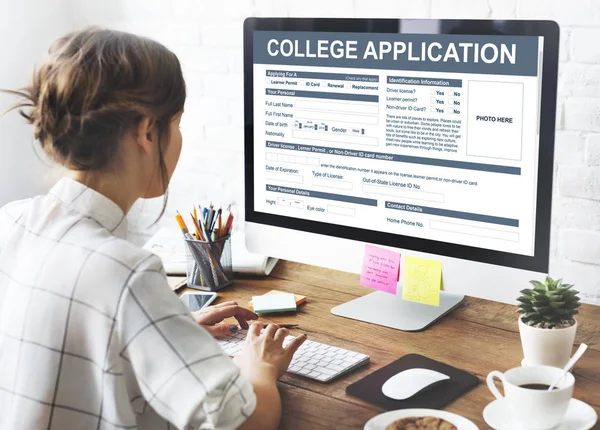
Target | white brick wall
(461,9)
(207,35)
(584,45)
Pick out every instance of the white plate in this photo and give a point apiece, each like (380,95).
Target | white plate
(381,421)
(579,416)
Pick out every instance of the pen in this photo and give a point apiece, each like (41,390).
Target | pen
(202,219)
(209,217)
(285,325)
(218,222)
(206,231)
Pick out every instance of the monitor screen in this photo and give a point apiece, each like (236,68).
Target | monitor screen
(434,137)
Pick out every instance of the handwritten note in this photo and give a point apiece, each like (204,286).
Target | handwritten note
(422,281)
(380,269)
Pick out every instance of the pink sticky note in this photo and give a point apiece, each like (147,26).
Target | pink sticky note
(380,269)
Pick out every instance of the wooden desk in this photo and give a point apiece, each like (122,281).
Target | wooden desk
(479,337)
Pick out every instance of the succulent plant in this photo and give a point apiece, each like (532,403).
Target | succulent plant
(551,304)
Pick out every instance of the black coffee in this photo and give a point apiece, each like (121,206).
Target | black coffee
(542,387)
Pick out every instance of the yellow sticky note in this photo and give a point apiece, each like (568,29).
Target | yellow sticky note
(422,281)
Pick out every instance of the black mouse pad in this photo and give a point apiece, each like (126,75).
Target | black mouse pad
(434,397)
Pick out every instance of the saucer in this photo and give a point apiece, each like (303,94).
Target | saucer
(579,416)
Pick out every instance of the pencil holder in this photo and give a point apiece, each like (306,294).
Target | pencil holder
(208,264)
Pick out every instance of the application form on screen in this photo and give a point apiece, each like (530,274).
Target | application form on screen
(433,136)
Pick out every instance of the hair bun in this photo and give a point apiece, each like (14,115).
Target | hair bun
(95,85)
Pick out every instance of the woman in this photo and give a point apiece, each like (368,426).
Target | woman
(91,336)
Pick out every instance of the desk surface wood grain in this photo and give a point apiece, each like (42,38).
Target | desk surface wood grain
(478,337)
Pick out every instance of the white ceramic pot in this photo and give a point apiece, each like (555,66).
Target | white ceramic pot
(547,347)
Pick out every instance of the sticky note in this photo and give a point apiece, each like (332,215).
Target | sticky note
(380,269)
(422,281)
(274,303)
(299,298)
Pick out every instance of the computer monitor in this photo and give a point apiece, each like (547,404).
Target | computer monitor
(431,137)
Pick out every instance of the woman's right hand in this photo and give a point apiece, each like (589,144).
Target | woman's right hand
(264,355)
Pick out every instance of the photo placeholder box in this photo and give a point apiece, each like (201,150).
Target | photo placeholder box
(495,119)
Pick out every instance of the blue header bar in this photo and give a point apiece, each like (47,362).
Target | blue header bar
(451,53)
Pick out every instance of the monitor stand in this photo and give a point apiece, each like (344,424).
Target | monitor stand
(391,311)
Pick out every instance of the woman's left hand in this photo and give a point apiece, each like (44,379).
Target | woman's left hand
(210,318)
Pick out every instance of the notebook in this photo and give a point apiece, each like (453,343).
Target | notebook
(168,244)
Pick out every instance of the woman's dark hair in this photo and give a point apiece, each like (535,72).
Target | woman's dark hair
(96,85)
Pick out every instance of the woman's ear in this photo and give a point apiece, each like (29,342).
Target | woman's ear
(145,135)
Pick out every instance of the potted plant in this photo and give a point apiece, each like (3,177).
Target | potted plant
(547,324)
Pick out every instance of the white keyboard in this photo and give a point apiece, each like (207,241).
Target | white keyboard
(313,359)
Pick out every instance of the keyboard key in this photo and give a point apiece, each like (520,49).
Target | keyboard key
(335,367)
(314,374)
(325,371)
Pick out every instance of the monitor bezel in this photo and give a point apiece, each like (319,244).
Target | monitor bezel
(549,30)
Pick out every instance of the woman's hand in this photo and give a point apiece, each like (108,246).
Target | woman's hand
(210,318)
(264,356)
(262,361)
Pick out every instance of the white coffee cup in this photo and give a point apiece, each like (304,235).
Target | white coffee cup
(529,408)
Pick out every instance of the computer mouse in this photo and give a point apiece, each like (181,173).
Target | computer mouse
(409,382)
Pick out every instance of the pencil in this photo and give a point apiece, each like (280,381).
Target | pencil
(199,234)
(229,225)
(224,230)
(287,325)
(219,224)
(181,224)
